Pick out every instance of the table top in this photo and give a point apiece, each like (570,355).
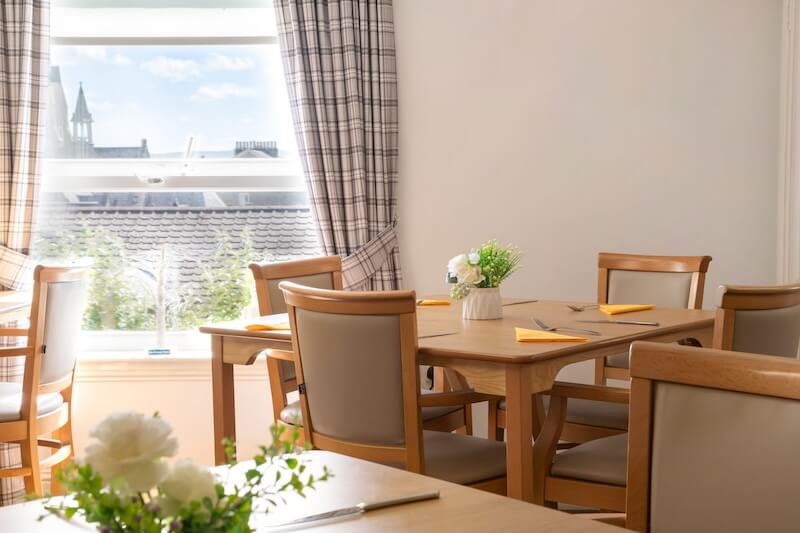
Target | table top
(442,331)
(457,509)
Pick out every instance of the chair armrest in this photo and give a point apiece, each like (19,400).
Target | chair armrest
(13,332)
(441,399)
(16,351)
(582,391)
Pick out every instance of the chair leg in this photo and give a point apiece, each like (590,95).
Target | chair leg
(64,435)
(29,450)
(468,418)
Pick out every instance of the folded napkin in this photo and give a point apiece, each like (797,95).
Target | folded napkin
(537,335)
(277,326)
(618,309)
(432,302)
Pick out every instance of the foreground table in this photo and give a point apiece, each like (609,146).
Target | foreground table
(484,352)
(457,509)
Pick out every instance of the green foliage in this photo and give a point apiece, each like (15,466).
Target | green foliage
(497,263)
(226,284)
(114,301)
(120,298)
(277,470)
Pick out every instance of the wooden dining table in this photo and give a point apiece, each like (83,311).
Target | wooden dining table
(354,481)
(484,352)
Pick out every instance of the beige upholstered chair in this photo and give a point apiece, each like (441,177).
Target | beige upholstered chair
(763,320)
(713,441)
(358,377)
(323,273)
(42,404)
(666,281)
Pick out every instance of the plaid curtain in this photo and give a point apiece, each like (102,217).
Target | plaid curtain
(340,68)
(24,51)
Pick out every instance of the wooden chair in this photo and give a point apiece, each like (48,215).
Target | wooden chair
(42,404)
(763,320)
(358,373)
(713,440)
(323,273)
(666,281)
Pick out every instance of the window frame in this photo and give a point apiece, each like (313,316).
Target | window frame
(168,175)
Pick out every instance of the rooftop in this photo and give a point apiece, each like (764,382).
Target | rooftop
(191,233)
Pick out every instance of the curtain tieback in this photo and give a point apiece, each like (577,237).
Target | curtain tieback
(362,264)
(16,269)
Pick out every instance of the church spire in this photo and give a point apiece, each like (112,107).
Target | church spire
(82,126)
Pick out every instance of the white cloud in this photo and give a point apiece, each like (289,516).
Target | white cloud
(207,93)
(223,62)
(172,69)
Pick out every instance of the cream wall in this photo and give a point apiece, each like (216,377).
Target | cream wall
(571,127)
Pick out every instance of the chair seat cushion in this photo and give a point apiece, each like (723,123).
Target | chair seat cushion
(602,461)
(293,414)
(463,459)
(620,360)
(592,413)
(11,402)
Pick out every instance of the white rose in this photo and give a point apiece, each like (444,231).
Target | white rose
(129,446)
(457,263)
(186,483)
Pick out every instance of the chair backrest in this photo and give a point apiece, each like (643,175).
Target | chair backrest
(56,313)
(666,281)
(762,320)
(713,440)
(320,272)
(356,364)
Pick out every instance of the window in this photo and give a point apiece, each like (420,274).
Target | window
(170,163)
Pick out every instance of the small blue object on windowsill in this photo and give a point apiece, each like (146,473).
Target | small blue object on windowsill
(158,351)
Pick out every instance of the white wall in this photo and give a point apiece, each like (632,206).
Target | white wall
(573,127)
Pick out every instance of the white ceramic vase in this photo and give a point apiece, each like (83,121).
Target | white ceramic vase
(483,304)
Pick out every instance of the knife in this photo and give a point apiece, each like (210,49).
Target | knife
(627,322)
(361,508)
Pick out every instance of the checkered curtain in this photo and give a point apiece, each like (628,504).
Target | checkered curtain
(24,50)
(340,68)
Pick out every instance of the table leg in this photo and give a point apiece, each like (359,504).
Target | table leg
(519,429)
(223,396)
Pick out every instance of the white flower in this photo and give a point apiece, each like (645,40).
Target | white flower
(464,271)
(130,446)
(186,483)
(474,258)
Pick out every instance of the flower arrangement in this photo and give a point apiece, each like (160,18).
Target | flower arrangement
(484,268)
(123,485)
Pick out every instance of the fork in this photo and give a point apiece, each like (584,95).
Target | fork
(545,327)
(580,308)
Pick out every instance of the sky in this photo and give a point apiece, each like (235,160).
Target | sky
(217,94)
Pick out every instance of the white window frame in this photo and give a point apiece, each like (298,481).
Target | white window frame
(167,175)
(164,175)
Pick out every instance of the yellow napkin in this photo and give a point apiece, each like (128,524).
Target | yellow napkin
(432,302)
(278,326)
(536,335)
(625,308)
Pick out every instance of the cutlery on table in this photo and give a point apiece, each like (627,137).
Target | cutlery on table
(580,308)
(545,327)
(520,302)
(361,508)
(624,322)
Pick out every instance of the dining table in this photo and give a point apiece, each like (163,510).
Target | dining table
(457,508)
(484,352)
